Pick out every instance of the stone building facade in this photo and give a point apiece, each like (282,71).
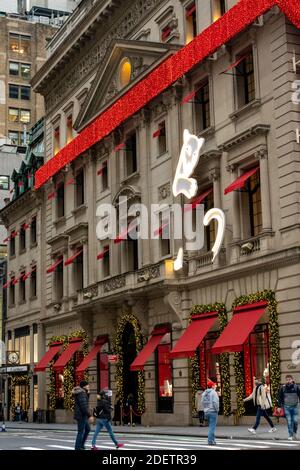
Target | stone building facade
(120,294)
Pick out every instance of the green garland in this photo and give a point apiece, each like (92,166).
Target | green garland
(68,371)
(268,296)
(17,380)
(118,347)
(224,358)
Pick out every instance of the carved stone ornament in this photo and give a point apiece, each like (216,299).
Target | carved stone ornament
(164,191)
(151,272)
(173,301)
(90,292)
(115,283)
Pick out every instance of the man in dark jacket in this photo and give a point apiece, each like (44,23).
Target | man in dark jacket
(102,413)
(289,397)
(82,414)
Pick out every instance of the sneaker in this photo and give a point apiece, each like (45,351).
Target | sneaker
(272,430)
(119,445)
(211,443)
(95,448)
(295,436)
(252,430)
(290,438)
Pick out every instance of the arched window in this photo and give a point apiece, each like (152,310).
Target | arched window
(125,72)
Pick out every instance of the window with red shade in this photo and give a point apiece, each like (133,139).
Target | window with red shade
(103,371)
(256,356)
(164,376)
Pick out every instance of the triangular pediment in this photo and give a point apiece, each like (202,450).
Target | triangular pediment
(107,86)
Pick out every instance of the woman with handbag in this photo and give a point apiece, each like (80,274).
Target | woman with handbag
(262,401)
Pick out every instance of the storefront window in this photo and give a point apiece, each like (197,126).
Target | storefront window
(256,356)
(164,376)
(103,371)
(22,344)
(209,363)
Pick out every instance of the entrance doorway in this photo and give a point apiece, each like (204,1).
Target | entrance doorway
(130,379)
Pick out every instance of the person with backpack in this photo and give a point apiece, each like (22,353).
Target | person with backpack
(262,401)
(288,398)
(211,404)
(102,413)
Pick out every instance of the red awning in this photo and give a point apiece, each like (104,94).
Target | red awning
(44,362)
(156,133)
(143,356)
(240,181)
(193,335)
(191,205)
(238,329)
(54,266)
(92,354)
(64,358)
(73,257)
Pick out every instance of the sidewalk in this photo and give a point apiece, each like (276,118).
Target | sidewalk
(227,432)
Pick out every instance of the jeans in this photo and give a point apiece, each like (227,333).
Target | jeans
(100,424)
(18,417)
(212,417)
(83,429)
(260,412)
(291,414)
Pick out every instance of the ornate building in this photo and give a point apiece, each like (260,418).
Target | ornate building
(108,134)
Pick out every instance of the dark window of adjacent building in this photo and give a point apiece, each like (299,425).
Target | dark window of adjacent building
(79,187)
(104,175)
(60,199)
(33,283)
(13,92)
(25,93)
(25,70)
(245,79)
(33,238)
(106,261)
(191,22)
(162,138)
(12,244)
(164,376)
(252,207)
(19,44)
(4,182)
(19,92)
(19,69)
(14,68)
(22,238)
(79,270)
(12,292)
(131,154)
(59,281)
(202,106)
(18,138)
(22,288)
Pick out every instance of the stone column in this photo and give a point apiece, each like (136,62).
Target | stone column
(265,190)
(236,227)
(42,392)
(85,262)
(31,377)
(215,178)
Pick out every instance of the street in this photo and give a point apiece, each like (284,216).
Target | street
(64,440)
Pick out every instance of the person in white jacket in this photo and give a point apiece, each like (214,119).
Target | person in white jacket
(211,404)
(262,401)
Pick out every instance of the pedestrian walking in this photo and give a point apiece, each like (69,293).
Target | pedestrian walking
(102,413)
(262,401)
(82,414)
(211,404)
(199,406)
(288,398)
(18,413)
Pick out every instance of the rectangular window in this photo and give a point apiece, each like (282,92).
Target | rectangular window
(12,244)
(60,201)
(80,188)
(245,79)
(191,22)
(202,106)
(255,208)
(13,91)
(14,68)
(166,33)
(4,182)
(164,377)
(25,93)
(69,129)
(19,44)
(56,140)
(14,137)
(104,174)
(59,281)
(22,239)
(131,154)
(78,264)
(164,233)
(133,254)
(25,116)
(219,9)
(106,261)
(12,298)
(210,367)
(33,283)
(256,356)
(162,138)
(22,289)
(33,238)
(13,115)
(26,71)
(211,228)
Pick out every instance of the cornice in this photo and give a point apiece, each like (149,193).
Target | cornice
(258,129)
(21,201)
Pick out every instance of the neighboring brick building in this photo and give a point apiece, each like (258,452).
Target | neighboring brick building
(239,100)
